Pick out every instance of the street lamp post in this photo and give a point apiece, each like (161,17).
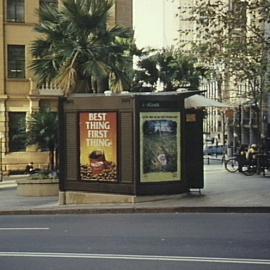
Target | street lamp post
(240,124)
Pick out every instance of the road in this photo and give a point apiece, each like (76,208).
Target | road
(135,241)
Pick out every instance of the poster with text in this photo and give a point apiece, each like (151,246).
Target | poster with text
(98,146)
(159,146)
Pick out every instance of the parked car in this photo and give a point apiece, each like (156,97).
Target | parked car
(214,150)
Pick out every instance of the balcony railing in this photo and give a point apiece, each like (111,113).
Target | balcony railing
(50,89)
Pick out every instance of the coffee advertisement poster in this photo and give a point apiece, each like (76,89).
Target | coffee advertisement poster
(98,146)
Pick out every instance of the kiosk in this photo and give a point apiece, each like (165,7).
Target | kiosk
(131,144)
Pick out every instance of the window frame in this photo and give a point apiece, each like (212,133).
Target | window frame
(14,65)
(12,12)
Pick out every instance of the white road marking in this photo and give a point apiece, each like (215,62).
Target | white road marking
(24,229)
(135,257)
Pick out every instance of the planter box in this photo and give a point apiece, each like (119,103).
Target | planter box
(37,188)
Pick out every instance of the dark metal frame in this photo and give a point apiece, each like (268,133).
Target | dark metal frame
(117,142)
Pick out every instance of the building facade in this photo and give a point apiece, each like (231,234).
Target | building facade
(214,122)
(155,23)
(19,95)
(238,124)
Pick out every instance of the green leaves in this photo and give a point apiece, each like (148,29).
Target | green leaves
(42,129)
(77,45)
(170,67)
(234,40)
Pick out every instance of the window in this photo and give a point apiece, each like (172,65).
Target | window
(15,10)
(16,61)
(17,129)
(239,10)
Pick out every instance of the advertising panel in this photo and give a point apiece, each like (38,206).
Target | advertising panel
(159,146)
(98,146)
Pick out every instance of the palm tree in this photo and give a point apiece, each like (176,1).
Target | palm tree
(42,130)
(78,49)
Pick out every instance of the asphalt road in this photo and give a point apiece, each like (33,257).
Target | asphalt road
(135,241)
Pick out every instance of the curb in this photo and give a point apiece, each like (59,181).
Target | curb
(7,185)
(134,210)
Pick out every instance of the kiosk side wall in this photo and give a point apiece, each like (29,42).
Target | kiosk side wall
(70,137)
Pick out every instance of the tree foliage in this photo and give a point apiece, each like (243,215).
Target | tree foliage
(233,41)
(169,67)
(232,37)
(42,130)
(79,50)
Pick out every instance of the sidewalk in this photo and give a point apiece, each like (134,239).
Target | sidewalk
(223,192)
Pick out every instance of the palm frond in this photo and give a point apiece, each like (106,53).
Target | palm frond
(87,15)
(42,128)
(77,45)
(66,78)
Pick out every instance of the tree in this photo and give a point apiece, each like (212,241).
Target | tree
(42,130)
(233,42)
(78,50)
(170,67)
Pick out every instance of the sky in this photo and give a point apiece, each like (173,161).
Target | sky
(154,23)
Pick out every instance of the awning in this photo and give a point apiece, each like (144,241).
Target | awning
(199,101)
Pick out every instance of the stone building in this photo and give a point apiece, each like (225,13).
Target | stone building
(19,95)
(238,124)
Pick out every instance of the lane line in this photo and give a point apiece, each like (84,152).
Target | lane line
(136,257)
(24,229)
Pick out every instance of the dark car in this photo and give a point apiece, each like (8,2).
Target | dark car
(214,150)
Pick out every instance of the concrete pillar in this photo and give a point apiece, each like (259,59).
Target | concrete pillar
(2,50)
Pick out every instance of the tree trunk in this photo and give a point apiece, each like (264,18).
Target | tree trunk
(51,158)
(84,86)
(56,159)
(168,87)
(94,86)
(259,120)
(102,85)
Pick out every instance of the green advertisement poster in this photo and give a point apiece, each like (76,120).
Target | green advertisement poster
(160,146)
